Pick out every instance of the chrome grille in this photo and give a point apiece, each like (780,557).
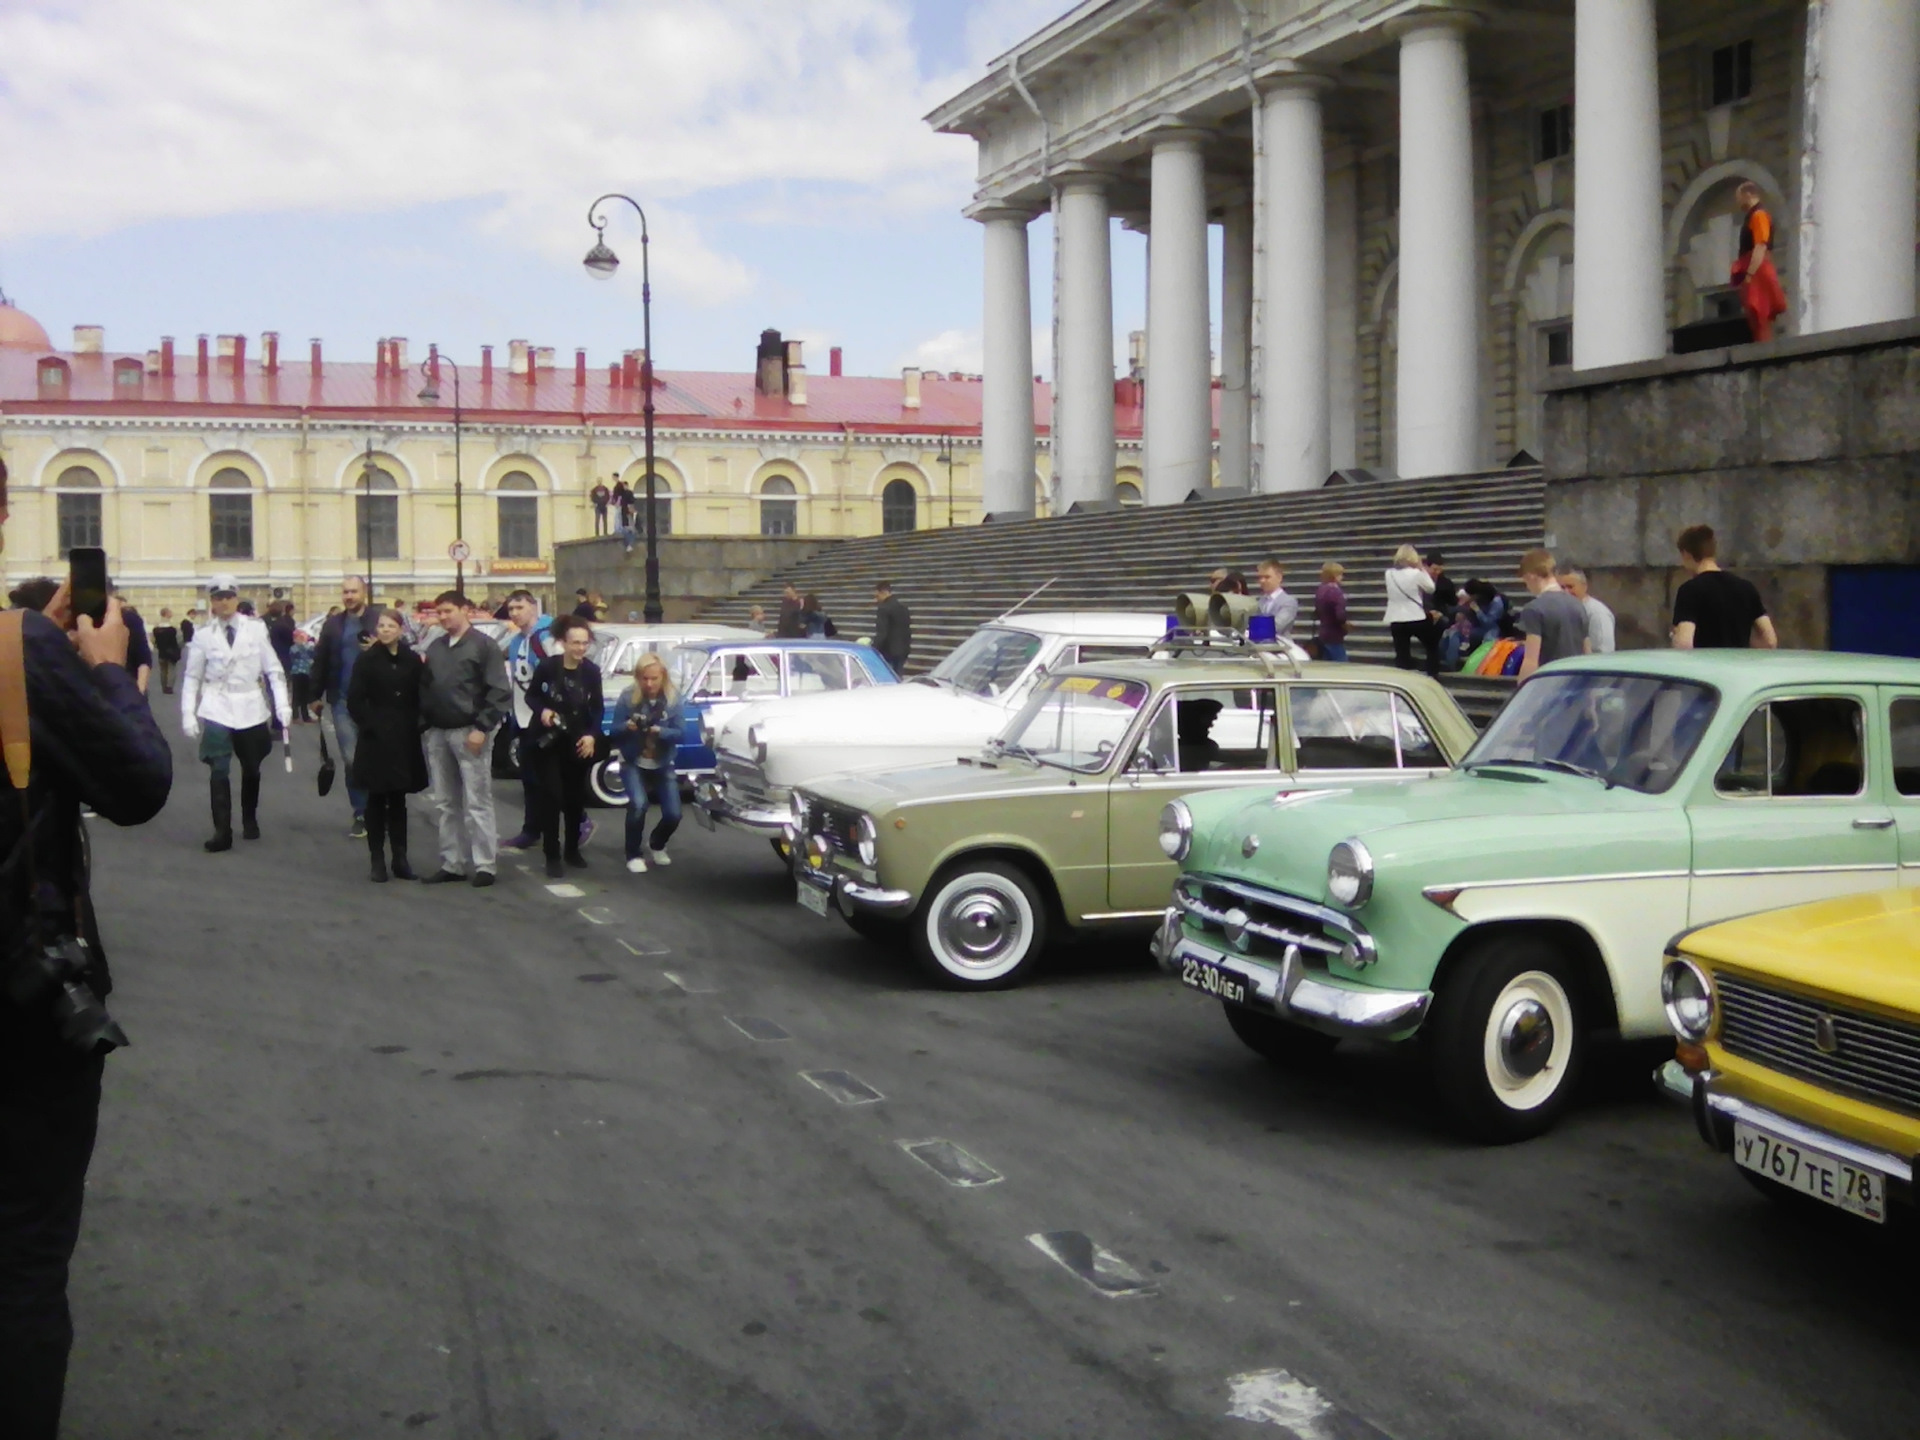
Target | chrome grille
(1275,920)
(836,823)
(1875,1059)
(745,784)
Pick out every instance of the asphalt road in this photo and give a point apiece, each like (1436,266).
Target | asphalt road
(511,1164)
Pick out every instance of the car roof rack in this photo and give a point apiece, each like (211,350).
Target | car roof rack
(1229,644)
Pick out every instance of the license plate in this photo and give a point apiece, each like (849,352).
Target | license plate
(812,898)
(1799,1167)
(1214,979)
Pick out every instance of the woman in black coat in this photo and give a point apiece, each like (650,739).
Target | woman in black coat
(568,711)
(383,697)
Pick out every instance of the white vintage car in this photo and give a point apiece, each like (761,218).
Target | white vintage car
(763,751)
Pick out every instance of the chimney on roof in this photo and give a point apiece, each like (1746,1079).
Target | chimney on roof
(1136,353)
(579,369)
(833,362)
(516,357)
(153,362)
(89,339)
(313,358)
(380,359)
(166,357)
(630,369)
(203,357)
(270,351)
(910,388)
(399,358)
(613,375)
(486,364)
(770,365)
(238,366)
(796,373)
(223,354)
(542,357)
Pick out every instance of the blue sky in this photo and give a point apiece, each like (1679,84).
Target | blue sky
(350,169)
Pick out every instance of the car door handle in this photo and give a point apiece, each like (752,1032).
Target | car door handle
(1873,822)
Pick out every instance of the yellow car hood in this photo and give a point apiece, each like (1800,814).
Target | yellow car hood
(1859,947)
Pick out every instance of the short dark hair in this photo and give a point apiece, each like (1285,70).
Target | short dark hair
(886,585)
(568,623)
(581,593)
(451,597)
(526,595)
(1434,557)
(33,594)
(1697,542)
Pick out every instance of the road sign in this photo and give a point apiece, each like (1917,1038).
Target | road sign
(459,552)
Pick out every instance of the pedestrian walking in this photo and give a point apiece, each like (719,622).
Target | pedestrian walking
(187,624)
(1554,623)
(348,631)
(600,496)
(792,624)
(1762,298)
(1330,612)
(300,677)
(892,628)
(388,761)
(814,620)
(1274,599)
(1408,586)
(1715,609)
(568,706)
(647,727)
(1600,623)
(139,648)
(627,502)
(223,706)
(465,700)
(166,649)
(528,643)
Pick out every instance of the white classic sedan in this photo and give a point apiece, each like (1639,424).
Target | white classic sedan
(765,750)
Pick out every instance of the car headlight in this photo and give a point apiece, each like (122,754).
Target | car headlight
(866,839)
(1350,874)
(1176,830)
(757,743)
(1688,993)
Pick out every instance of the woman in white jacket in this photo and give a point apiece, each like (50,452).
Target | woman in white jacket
(223,706)
(1408,586)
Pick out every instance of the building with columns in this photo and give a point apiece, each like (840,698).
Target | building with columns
(1428,211)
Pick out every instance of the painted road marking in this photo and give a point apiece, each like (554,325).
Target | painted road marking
(1274,1397)
(566,891)
(844,1088)
(694,986)
(951,1163)
(597,914)
(757,1027)
(631,951)
(1102,1269)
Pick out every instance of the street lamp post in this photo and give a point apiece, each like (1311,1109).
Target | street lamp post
(430,395)
(601,262)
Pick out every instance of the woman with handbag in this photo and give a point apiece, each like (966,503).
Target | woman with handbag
(565,698)
(1408,586)
(647,727)
(383,699)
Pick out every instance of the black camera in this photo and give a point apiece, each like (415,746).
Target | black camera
(56,973)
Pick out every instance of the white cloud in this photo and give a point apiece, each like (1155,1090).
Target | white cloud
(114,112)
(949,350)
(996,26)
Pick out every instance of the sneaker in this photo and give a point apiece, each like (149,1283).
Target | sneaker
(525,840)
(660,857)
(482,879)
(636,866)
(444,877)
(359,828)
(577,861)
(586,832)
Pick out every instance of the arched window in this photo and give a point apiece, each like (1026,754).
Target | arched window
(1128,493)
(231,509)
(78,505)
(662,505)
(899,507)
(376,514)
(519,511)
(779,512)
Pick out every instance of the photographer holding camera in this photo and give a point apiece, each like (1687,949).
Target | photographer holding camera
(63,679)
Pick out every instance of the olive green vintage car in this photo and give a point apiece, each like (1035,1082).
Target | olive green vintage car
(975,862)
(1518,907)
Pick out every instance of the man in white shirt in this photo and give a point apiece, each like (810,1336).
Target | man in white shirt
(223,707)
(1274,599)
(1599,617)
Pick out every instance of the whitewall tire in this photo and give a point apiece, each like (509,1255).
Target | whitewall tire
(982,926)
(1508,1039)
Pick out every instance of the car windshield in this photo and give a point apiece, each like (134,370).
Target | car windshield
(1075,721)
(988,661)
(1638,731)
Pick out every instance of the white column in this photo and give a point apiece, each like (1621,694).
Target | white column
(1438,379)
(1083,370)
(1236,348)
(1343,314)
(1869,96)
(1179,360)
(1293,399)
(1619,276)
(1006,401)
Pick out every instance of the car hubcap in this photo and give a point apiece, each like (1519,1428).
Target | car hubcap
(1529,1040)
(981,928)
(1526,1039)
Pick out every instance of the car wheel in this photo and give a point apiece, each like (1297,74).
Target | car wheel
(981,927)
(608,782)
(1286,1044)
(1508,1041)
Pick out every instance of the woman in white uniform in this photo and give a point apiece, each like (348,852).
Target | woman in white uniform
(223,705)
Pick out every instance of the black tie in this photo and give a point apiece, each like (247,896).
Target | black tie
(229,636)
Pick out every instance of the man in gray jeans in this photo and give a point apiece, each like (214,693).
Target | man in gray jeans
(463,702)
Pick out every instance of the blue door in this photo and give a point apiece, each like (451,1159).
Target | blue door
(1871,609)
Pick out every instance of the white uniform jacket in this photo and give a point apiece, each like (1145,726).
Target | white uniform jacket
(223,682)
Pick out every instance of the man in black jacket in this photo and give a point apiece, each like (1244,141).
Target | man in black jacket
(466,698)
(341,640)
(892,628)
(94,743)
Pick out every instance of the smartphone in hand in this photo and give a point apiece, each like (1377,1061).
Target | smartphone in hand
(87,582)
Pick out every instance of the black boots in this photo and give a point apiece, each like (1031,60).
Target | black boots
(397,838)
(221,790)
(387,825)
(250,804)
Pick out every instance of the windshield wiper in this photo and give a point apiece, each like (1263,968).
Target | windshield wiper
(1566,767)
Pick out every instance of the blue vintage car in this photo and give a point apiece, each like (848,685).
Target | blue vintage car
(716,676)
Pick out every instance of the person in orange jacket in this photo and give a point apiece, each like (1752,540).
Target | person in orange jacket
(1761,295)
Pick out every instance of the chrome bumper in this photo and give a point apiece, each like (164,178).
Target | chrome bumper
(1291,992)
(850,894)
(1715,1111)
(713,807)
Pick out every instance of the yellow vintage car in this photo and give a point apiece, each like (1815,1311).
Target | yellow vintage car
(1799,1046)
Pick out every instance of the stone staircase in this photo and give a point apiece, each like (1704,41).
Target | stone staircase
(954,580)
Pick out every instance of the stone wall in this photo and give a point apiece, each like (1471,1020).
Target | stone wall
(1802,454)
(693,569)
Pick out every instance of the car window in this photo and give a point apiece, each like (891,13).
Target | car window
(858,675)
(1904,716)
(811,671)
(1799,747)
(1214,730)
(988,661)
(1100,654)
(1341,727)
(1075,722)
(741,675)
(1633,730)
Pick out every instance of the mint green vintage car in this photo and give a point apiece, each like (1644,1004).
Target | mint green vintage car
(1517,908)
(1053,827)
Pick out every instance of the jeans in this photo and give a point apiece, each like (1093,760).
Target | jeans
(463,798)
(523,756)
(599,519)
(1333,650)
(166,668)
(348,734)
(659,786)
